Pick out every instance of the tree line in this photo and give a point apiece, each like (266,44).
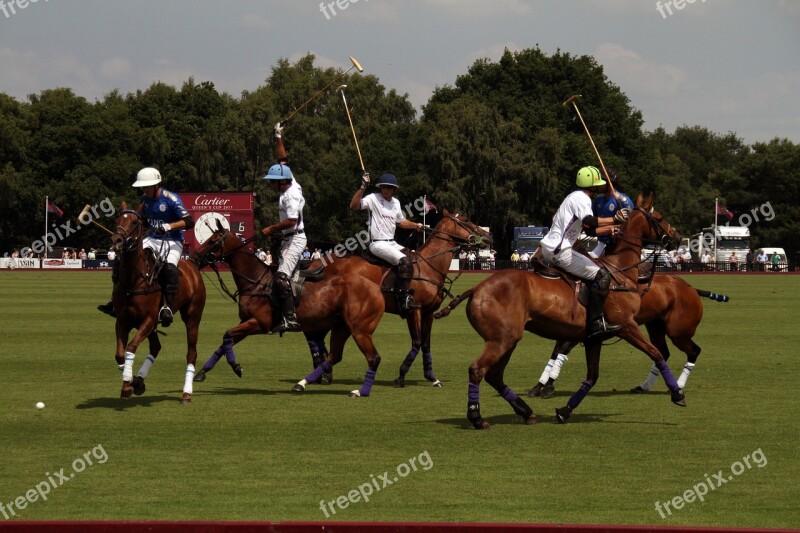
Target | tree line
(496,145)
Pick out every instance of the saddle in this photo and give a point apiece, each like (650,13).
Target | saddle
(302,274)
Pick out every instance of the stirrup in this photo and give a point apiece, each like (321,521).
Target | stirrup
(165,316)
(410,303)
(287,324)
(600,328)
(107,308)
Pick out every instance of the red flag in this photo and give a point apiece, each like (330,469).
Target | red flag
(722,211)
(429,206)
(53,209)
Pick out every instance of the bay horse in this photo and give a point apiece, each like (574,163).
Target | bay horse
(431,263)
(345,305)
(502,307)
(670,307)
(138,300)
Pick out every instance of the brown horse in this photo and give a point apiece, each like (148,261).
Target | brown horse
(670,307)
(345,305)
(431,262)
(505,305)
(138,300)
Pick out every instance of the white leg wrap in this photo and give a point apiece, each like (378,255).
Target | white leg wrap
(303,383)
(559,362)
(187,384)
(546,373)
(687,369)
(652,377)
(127,371)
(148,362)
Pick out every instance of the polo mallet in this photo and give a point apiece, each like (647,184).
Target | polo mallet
(356,65)
(85,212)
(341,89)
(571,100)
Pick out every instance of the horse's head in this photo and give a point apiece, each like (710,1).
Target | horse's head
(647,224)
(128,231)
(464,232)
(213,249)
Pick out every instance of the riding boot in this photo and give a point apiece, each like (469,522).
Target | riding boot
(169,280)
(596,324)
(108,308)
(286,299)
(405,271)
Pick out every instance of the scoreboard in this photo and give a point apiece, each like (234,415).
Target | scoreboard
(234,210)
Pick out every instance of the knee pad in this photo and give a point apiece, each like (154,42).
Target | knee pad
(283,282)
(602,281)
(171,278)
(404,268)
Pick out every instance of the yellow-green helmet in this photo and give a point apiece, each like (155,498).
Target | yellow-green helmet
(589,177)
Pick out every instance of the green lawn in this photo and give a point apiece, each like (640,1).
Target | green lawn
(249,449)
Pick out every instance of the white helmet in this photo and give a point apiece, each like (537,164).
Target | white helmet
(147,176)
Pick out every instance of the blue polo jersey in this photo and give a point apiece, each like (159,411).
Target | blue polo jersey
(603,207)
(168,208)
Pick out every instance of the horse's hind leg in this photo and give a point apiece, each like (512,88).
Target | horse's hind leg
(657,331)
(692,351)
(415,327)
(155,349)
(364,341)
(592,375)
(494,377)
(319,352)
(427,359)
(338,338)
(634,337)
(493,351)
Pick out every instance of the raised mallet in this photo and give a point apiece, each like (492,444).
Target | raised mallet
(86,213)
(571,100)
(347,109)
(356,65)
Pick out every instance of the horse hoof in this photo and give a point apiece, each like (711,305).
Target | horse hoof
(237,370)
(354,394)
(481,424)
(298,388)
(186,399)
(326,378)
(563,414)
(638,390)
(531,420)
(430,376)
(678,398)
(536,391)
(138,385)
(200,376)
(548,391)
(127,390)
(437,384)
(399,383)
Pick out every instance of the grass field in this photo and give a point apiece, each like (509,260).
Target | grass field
(249,449)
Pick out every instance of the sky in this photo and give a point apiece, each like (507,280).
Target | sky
(727,65)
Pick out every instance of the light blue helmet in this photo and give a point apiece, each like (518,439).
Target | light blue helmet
(388,179)
(279,172)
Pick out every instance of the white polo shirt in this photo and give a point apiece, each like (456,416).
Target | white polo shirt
(384,215)
(568,222)
(291,204)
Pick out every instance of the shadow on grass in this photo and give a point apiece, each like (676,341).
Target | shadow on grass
(119,404)
(542,418)
(603,394)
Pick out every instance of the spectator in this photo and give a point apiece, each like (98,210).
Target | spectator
(761,259)
(776,262)
(687,259)
(705,260)
(515,257)
(316,254)
(524,258)
(261,255)
(306,255)
(471,257)
(734,261)
(111,255)
(83,256)
(91,255)
(748,259)
(268,260)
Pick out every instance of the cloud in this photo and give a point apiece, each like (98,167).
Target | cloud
(29,73)
(790,7)
(116,68)
(481,8)
(256,22)
(636,74)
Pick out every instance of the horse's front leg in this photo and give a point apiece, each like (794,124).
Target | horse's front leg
(427,359)
(338,339)
(155,349)
(494,377)
(414,323)
(592,375)
(634,336)
(249,327)
(319,352)
(147,326)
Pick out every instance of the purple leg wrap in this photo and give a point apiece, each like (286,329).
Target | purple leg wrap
(578,397)
(367,386)
(474,395)
(412,354)
(317,372)
(666,373)
(212,361)
(227,344)
(313,346)
(427,360)
(508,394)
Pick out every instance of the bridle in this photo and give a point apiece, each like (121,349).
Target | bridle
(130,240)
(662,240)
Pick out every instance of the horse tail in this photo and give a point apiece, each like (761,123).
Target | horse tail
(457,300)
(712,295)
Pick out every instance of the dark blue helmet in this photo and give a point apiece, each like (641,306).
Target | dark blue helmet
(388,179)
